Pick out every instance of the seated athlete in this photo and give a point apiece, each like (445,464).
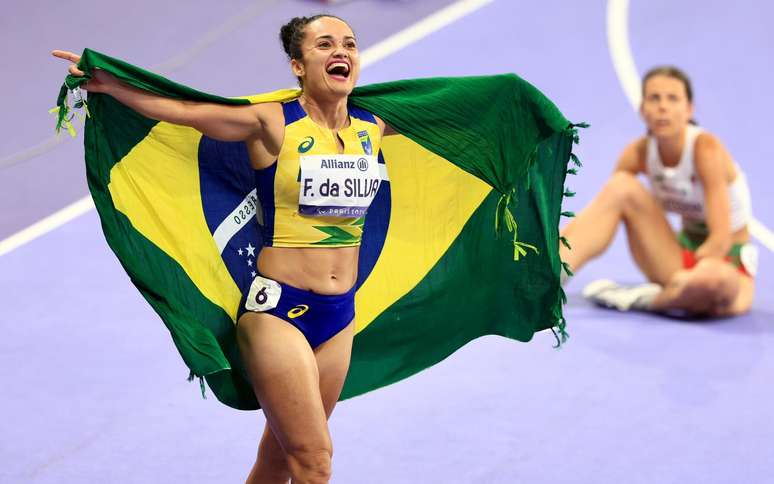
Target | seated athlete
(295,326)
(707,268)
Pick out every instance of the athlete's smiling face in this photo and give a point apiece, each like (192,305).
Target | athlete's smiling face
(331,63)
(665,107)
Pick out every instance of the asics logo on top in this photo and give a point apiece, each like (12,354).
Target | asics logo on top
(306,144)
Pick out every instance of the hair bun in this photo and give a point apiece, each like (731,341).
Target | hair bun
(289,31)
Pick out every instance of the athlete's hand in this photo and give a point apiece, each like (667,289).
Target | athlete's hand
(712,248)
(100,80)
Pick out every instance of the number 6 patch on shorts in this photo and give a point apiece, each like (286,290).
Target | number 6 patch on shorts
(264,295)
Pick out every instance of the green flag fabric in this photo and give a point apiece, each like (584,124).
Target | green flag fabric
(462,241)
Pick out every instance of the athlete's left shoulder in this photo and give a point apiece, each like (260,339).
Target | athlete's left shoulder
(709,145)
(712,159)
(707,140)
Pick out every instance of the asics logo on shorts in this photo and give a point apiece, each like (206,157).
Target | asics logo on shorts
(298,311)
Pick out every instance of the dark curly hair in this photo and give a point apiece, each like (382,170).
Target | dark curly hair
(292,34)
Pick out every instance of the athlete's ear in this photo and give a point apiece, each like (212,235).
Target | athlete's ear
(297,67)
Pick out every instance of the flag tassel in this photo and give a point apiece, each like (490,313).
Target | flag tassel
(560,327)
(503,211)
(65,111)
(191,376)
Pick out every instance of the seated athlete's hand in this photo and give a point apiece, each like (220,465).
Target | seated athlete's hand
(712,248)
(100,80)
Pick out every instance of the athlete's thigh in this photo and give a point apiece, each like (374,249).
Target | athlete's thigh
(652,240)
(283,371)
(333,359)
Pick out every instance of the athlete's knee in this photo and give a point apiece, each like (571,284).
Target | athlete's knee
(718,277)
(310,463)
(712,289)
(625,190)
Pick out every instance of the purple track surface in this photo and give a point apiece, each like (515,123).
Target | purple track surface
(95,392)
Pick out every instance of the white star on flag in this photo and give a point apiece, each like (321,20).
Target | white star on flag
(250,250)
(250,262)
(253,273)
(240,252)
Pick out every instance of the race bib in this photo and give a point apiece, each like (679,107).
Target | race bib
(264,295)
(338,185)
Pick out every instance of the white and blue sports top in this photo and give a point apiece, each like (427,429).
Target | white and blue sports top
(680,190)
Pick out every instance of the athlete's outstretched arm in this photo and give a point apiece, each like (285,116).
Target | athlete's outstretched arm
(226,123)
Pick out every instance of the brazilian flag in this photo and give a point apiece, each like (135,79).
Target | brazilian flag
(461,242)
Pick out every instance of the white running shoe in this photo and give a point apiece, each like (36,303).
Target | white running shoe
(605,292)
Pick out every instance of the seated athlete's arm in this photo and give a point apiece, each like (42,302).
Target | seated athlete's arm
(222,122)
(632,159)
(711,170)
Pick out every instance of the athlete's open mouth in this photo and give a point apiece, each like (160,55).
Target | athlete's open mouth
(338,70)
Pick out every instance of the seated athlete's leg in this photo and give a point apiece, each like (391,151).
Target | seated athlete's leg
(593,228)
(284,375)
(712,288)
(624,199)
(333,358)
(651,239)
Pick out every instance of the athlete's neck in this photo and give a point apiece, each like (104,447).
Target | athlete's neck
(330,114)
(670,148)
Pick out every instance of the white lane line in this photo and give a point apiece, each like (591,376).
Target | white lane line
(419,30)
(621,51)
(762,233)
(46,225)
(165,68)
(44,146)
(370,56)
(628,76)
(232,24)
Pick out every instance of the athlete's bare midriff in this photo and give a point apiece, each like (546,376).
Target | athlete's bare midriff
(320,270)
